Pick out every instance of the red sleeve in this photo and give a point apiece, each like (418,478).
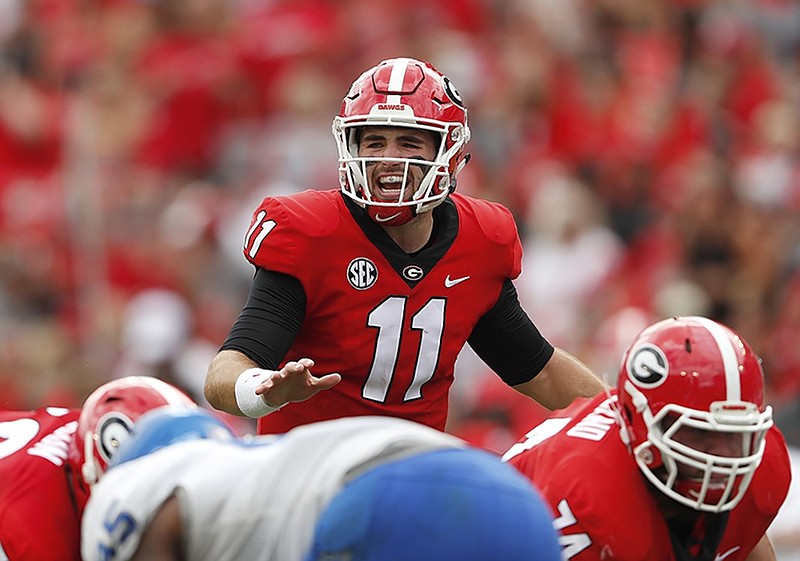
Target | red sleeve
(38,518)
(281,228)
(771,482)
(600,516)
(498,225)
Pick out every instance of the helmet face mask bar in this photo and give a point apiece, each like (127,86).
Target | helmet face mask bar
(692,411)
(410,94)
(694,477)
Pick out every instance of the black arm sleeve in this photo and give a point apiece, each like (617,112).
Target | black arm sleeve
(269,322)
(506,339)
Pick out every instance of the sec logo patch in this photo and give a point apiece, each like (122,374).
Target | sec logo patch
(362,273)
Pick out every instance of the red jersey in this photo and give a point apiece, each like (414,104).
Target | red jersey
(38,517)
(391,325)
(602,505)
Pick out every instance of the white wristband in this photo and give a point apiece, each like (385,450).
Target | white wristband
(249,403)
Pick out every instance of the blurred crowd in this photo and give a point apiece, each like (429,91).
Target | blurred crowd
(649,149)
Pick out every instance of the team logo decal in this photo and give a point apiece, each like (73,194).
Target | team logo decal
(648,366)
(362,273)
(112,430)
(413,273)
(452,92)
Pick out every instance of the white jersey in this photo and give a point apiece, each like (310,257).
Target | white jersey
(239,502)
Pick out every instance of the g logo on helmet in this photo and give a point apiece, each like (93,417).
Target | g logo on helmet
(452,92)
(647,366)
(113,429)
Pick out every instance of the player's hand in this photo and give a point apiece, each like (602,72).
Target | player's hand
(295,382)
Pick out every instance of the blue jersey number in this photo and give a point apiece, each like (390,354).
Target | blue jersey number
(119,528)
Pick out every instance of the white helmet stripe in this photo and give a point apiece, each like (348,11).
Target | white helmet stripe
(171,394)
(729,361)
(396,79)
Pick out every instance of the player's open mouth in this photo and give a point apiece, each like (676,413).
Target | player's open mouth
(390,187)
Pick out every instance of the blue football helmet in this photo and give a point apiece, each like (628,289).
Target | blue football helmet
(445,505)
(168,425)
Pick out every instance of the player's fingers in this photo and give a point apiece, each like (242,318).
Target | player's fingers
(328,381)
(290,369)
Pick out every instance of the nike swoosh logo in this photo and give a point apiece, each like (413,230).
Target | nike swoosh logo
(379,218)
(449,283)
(721,556)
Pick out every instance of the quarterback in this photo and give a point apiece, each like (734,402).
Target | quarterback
(378,285)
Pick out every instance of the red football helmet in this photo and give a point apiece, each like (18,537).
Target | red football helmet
(402,92)
(106,419)
(691,394)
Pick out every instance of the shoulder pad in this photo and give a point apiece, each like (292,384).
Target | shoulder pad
(281,227)
(314,213)
(497,224)
(495,220)
(598,500)
(770,483)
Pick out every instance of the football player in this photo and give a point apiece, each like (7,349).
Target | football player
(376,286)
(355,489)
(51,457)
(681,462)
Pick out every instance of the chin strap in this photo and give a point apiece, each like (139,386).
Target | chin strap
(459,167)
(640,403)
(637,397)
(89,468)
